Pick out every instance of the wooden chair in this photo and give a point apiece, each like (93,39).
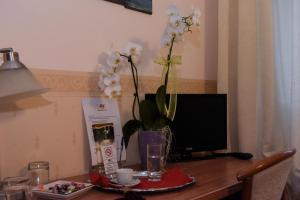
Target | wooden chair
(266,179)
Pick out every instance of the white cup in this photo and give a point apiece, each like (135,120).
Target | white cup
(124,175)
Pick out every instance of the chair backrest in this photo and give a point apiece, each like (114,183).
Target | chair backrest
(266,179)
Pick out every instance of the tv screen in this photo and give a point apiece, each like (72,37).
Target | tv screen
(200,122)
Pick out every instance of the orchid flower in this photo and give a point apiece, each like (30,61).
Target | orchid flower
(175,20)
(113,90)
(109,79)
(133,50)
(196,16)
(172,10)
(165,40)
(112,79)
(115,60)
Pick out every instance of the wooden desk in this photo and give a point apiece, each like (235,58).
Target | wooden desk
(216,179)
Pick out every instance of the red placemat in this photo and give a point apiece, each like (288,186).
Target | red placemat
(171,178)
(98,179)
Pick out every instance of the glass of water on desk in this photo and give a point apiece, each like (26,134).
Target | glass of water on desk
(38,172)
(154,161)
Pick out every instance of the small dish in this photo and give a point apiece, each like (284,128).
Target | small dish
(114,182)
(46,192)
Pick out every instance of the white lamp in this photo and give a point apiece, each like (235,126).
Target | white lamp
(16,81)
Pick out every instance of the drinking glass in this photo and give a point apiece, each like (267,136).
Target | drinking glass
(38,172)
(154,161)
(17,188)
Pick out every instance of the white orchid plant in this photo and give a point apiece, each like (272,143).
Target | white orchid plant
(151,116)
(177,26)
(109,79)
(157,116)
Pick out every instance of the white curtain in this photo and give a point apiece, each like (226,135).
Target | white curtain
(259,68)
(286,126)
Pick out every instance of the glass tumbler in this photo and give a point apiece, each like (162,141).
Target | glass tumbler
(38,172)
(154,161)
(16,188)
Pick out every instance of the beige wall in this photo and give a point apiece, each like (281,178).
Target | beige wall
(71,36)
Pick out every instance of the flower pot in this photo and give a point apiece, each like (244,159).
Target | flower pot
(148,137)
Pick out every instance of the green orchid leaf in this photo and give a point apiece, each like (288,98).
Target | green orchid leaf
(148,113)
(161,99)
(161,122)
(129,129)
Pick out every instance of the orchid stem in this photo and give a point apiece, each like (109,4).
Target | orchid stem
(169,63)
(134,73)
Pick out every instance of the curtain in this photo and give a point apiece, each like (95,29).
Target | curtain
(259,69)
(286,128)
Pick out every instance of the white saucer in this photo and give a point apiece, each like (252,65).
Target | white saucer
(114,182)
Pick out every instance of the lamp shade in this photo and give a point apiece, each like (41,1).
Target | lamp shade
(16,81)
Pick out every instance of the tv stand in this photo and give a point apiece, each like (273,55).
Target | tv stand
(206,155)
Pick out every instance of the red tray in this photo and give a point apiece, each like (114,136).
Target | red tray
(145,190)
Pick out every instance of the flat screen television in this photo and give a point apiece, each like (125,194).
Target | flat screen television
(200,123)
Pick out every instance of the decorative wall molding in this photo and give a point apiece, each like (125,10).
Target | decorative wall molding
(72,81)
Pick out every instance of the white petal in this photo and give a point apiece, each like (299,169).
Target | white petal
(196,20)
(116,78)
(101,85)
(107,91)
(133,49)
(180,29)
(113,90)
(107,81)
(106,70)
(175,20)
(196,16)
(172,10)
(112,79)
(197,12)
(116,90)
(173,32)
(114,59)
(165,40)
(117,87)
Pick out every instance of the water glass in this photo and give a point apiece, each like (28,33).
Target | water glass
(38,172)
(16,188)
(154,161)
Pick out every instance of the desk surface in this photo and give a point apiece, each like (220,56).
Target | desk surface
(216,178)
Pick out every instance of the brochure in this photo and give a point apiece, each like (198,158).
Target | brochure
(103,124)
